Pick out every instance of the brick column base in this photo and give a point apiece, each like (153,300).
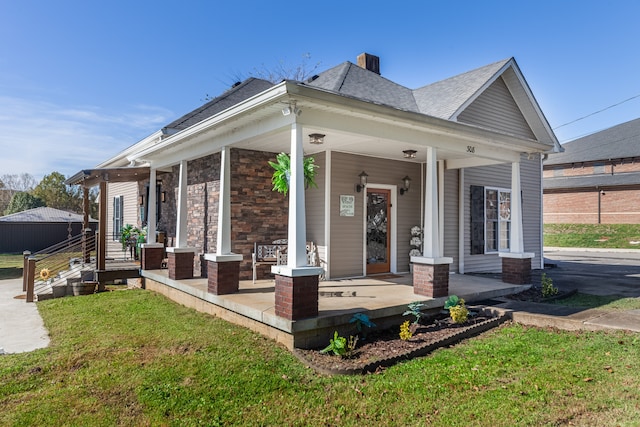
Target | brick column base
(296,297)
(431,280)
(180,265)
(152,258)
(223,277)
(516,270)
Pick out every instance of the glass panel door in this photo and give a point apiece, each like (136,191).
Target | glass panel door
(378,231)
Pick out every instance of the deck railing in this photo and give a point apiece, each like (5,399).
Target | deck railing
(53,267)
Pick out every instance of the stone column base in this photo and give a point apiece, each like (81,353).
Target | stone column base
(152,257)
(431,280)
(180,265)
(516,271)
(296,297)
(223,277)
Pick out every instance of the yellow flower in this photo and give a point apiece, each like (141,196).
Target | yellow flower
(45,274)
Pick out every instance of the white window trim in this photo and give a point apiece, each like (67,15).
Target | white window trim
(500,221)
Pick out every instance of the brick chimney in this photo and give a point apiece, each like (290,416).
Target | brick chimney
(369,62)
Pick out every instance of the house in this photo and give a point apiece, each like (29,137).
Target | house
(38,228)
(596,180)
(460,158)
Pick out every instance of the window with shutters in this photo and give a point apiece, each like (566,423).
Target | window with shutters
(118,216)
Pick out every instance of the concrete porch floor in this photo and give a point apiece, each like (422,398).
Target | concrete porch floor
(383,298)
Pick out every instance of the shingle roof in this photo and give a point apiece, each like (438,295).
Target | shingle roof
(44,214)
(354,81)
(240,92)
(616,142)
(443,99)
(602,180)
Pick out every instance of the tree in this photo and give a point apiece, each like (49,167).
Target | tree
(12,184)
(22,201)
(53,191)
(275,74)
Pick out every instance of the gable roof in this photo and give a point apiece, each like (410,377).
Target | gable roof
(239,92)
(620,141)
(354,81)
(44,214)
(444,99)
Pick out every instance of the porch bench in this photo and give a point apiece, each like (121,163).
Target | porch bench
(266,253)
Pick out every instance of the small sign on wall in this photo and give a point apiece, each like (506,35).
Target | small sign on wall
(347,205)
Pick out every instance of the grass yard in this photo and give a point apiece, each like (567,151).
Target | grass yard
(603,302)
(11,266)
(136,358)
(620,236)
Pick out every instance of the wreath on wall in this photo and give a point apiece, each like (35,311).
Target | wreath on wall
(282,172)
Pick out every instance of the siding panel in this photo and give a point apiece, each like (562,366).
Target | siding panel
(496,109)
(129,191)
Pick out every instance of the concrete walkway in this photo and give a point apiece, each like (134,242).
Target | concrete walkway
(21,327)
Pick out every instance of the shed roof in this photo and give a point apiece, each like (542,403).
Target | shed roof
(620,141)
(44,214)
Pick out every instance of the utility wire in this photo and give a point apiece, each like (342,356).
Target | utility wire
(599,111)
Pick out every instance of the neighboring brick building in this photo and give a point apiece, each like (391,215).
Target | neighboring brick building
(596,180)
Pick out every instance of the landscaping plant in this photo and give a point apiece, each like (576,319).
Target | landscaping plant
(414,310)
(362,320)
(340,346)
(548,290)
(405,331)
(457,310)
(282,172)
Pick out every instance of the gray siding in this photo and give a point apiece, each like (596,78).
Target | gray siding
(500,176)
(451,207)
(315,209)
(496,109)
(347,233)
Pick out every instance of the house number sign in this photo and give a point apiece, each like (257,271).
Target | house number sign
(347,205)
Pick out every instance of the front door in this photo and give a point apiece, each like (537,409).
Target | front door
(378,231)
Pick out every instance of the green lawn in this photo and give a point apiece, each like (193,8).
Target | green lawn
(620,236)
(11,266)
(136,358)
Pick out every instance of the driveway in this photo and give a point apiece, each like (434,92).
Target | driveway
(597,272)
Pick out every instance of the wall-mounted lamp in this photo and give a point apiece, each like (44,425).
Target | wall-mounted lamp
(363,181)
(316,138)
(409,154)
(602,193)
(141,200)
(407,183)
(163,196)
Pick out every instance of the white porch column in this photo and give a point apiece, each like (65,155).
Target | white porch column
(223,242)
(516,264)
(181,222)
(517,240)
(297,216)
(152,211)
(431,246)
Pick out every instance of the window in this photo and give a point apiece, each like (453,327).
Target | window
(118,216)
(490,220)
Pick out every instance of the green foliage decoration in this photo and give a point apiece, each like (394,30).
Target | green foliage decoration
(282,173)
(339,346)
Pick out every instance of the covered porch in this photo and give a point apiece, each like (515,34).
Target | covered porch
(383,298)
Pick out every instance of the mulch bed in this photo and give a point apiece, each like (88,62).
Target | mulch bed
(385,348)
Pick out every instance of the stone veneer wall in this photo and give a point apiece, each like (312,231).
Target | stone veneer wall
(258,214)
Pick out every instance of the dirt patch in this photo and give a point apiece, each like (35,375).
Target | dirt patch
(381,349)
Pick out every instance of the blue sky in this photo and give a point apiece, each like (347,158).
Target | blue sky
(82,80)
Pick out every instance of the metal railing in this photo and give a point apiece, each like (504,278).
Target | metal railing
(52,269)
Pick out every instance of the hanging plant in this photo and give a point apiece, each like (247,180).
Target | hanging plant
(282,173)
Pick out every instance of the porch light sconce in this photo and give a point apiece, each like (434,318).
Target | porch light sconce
(409,154)
(407,183)
(316,138)
(163,196)
(363,181)
(141,200)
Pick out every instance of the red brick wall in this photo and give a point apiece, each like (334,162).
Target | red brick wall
(621,206)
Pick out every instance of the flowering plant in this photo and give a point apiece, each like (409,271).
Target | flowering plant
(416,241)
